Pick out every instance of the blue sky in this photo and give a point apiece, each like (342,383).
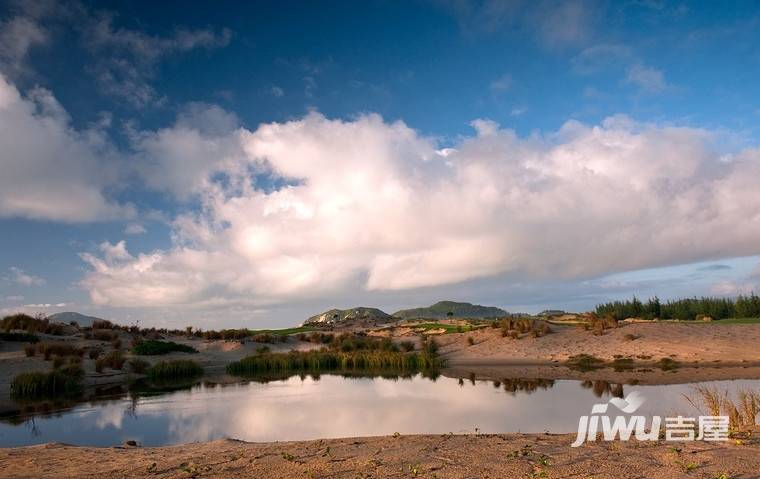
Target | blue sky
(182,130)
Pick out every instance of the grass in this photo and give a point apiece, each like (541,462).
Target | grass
(174,369)
(742,409)
(448,328)
(155,348)
(263,335)
(138,366)
(49,349)
(39,384)
(113,360)
(326,360)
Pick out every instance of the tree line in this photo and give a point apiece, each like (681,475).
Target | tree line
(684,309)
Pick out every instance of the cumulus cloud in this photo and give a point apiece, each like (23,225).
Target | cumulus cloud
(375,206)
(50,170)
(20,277)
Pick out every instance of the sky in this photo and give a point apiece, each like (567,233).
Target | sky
(232,165)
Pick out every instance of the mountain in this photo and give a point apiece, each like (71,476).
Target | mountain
(444,309)
(338,315)
(69,316)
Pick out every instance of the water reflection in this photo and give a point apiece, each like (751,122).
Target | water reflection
(309,407)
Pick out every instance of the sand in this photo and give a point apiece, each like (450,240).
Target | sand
(442,456)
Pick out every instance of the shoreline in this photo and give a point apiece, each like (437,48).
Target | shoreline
(402,456)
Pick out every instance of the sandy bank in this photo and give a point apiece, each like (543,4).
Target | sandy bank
(447,456)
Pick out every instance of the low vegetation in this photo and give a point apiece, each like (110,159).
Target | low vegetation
(40,384)
(31,324)
(742,408)
(138,366)
(448,328)
(344,353)
(50,348)
(513,328)
(152,347)
(174,369)
(112,360)
(584,362)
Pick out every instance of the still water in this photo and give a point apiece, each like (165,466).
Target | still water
(335,406)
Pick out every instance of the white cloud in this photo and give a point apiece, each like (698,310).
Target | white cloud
(134,229)
(646,78)
(50,170)
(20,277)
(277,92)
(376,207)
(18,35)
(124,60)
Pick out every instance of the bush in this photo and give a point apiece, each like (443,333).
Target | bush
(30,350)
(95,353)
(40,384)
(112,360)
(157,348)
(138,365)
(102,324)
(470,340)
(104,335)
(31,325)
(175,369)
(48,349)
(584,362)
(19,337)
(116,343)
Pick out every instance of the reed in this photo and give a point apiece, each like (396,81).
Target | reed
(39,384)
(327,360)
(174,369)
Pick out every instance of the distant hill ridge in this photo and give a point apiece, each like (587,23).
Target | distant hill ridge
(339,315)
(68,316)
(444,309)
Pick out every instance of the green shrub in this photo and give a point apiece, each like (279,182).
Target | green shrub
(155,348)
(39,384)
(174,369)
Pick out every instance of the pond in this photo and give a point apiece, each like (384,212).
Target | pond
(334,406)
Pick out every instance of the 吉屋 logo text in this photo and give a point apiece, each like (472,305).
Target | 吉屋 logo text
(622,427)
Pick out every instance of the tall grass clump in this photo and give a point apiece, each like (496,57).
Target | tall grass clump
(112,360)
(174,369)
(156,348)
(55,348)
(742,409)
(336,360)
(31,324)
(39,384)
